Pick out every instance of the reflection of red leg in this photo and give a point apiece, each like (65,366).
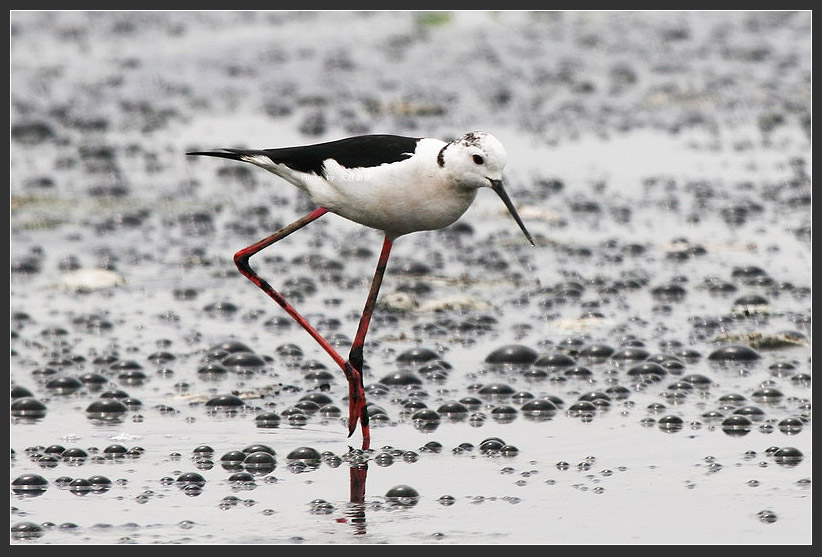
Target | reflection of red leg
(358,475)
(356,390)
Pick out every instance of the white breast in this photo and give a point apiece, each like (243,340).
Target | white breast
(399,198)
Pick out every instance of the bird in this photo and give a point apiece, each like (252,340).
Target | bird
(391,183)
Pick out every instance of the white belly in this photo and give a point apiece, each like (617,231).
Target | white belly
(400,198)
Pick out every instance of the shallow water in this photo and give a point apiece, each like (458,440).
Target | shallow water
(662,162)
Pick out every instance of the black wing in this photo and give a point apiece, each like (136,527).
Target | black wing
(353,152)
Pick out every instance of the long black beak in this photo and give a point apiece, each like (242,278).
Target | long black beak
(496,185)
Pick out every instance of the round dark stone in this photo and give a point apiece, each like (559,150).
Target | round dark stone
(189,479)
(402,495)
(417,355)
(64,385)
(308,458)
(596,351)
(267,420)
(425,415)
(225,402)
(289,351)
(259,462)
(401,379)
(453,410)
(80,486)
(504,413)
(259,447)
(791,426)
(212,369)
(26,531)
(28,407)
(93,381)
(16,391)
(556,360)
(618,392)
(752,412)
(698,380)
(578,372)
(491,445)
(99,483)
(496,390)
(509,451)
(29,484)
(671,292)
(737,425)
(630,354)
(767,395)
(788,456)
(647,368)
(232,460)
(106,408)
(54,450)
(243,361)
(241,478)
(320,398)
(581,408)
(512,354)
(330,411)
(670,424)
(74,455)
(734,353)
(539,409)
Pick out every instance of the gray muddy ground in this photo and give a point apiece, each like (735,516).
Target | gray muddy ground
(642,376)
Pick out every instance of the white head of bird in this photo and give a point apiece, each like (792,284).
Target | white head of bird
(476,160)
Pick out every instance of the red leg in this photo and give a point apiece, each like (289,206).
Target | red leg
(356,390)
(241,260)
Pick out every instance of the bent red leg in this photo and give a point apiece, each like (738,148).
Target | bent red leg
(241,260)
(357,408)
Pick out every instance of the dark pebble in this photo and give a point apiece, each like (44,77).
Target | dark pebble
(670,424)
(630,354)
(496,391)
(539,409)
(232,460)
(16,391)
(453,410)
(556,360)
(402,495)
(106,409)
(243,362)
(64,385)
(29,484)
(29,408)
(417,356)
(259,462)
(737,425)
(734,353)
(788,456)
(225,402)
(189,479)
(27,531)
(516,354)
(267,420)
(401,379)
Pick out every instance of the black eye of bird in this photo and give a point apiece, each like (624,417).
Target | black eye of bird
(478,159)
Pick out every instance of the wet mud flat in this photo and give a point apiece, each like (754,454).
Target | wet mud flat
(643,375)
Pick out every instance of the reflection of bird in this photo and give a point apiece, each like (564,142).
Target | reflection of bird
(391,183)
